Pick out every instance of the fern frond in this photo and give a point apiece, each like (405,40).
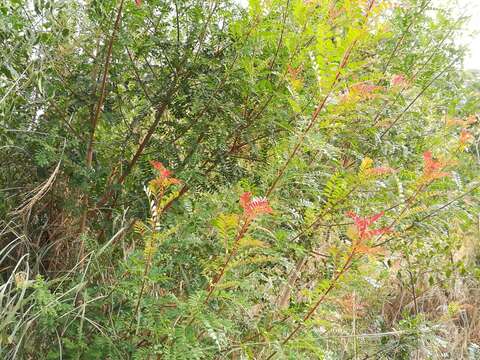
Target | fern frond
(140,227)
(226,225)
(414,211)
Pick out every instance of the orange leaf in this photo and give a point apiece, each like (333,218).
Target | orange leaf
(363,249)
(432,168)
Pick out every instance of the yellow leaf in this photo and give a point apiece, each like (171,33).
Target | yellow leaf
(352,233)
(365,165)
(226,225)
(140,228)
(250,242)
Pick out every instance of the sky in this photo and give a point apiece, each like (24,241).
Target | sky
(470,8)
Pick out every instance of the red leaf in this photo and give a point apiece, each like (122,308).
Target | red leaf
(157,165)
(163,171)
(399,80)
(258,206)
(138,2)
(362,225)
(245,199)
(253,207)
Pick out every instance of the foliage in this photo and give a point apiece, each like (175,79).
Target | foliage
(197,180)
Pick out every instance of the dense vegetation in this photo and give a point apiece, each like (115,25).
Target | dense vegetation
(191,179)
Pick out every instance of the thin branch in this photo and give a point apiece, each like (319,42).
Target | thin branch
(94,120)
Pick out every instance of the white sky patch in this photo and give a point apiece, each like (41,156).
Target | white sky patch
(244,3)
(471,35)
